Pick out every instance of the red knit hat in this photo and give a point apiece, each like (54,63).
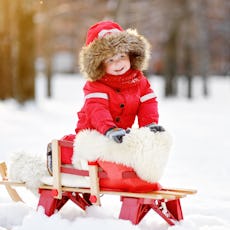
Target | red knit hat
(101,29)
(106,39)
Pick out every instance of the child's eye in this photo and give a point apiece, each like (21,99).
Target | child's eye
(109,60)
(122,55)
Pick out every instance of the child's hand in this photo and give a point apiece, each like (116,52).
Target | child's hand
(155,128)
(115,134)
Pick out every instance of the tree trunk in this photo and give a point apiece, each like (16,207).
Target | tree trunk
(188,69)
(170,66)
(204,56)
(25,77)
(48,45)
(49,76)
(188,47)
(6,74)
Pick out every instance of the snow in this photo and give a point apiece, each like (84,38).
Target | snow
(199,159)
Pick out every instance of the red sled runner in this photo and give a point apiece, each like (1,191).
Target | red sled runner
(138,197)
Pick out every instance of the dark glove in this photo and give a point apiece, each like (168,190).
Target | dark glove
(155,128)
(115,134)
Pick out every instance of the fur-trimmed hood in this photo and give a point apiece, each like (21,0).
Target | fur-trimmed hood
(124,41)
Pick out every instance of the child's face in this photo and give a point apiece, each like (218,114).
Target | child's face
(118,64)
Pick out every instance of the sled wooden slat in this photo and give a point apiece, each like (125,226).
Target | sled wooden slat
(182,190)
(12,183)
(3,170)
(67,189)
(94,184)
(151,195)
(168,193)
(11,191)
(56,164)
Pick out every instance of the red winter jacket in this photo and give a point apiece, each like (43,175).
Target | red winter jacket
(115,101)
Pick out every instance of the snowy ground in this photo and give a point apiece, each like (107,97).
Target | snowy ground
(199,159)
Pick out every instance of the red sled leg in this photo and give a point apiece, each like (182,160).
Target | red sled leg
(170,211)
(81,200)
(49,203)
(174,208)
(133,209)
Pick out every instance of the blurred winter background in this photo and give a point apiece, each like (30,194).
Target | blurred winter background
(41,92)
(188,38)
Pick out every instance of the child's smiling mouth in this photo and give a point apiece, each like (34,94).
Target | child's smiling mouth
(119,70)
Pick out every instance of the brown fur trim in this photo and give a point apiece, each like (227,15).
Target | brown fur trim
(129,41)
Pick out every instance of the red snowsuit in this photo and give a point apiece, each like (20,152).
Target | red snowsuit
(115,101)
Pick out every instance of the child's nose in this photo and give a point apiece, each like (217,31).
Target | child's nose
(117,62)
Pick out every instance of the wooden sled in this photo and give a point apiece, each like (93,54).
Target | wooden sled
(135,205)
(9,184)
